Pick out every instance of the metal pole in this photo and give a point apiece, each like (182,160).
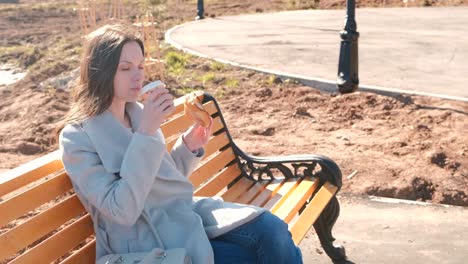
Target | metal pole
(200,10)
(348,73)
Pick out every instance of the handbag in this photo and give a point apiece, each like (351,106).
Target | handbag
(155,256)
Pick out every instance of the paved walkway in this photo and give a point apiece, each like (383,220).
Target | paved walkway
(415,50)
(388,231)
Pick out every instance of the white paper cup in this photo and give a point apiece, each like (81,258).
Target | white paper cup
(147,88)
(150,86)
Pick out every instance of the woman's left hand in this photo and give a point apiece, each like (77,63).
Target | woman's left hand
(197,136)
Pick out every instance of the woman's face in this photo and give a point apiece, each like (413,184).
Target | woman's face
(128,79)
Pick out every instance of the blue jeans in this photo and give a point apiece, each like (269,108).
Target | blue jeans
(265,239)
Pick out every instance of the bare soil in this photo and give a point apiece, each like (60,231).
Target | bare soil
(407,147)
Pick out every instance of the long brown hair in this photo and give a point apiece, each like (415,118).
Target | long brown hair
(95,89)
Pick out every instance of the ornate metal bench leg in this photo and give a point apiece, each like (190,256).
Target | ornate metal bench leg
(323,226)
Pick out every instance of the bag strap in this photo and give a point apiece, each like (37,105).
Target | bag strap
(148,221)
(153,229)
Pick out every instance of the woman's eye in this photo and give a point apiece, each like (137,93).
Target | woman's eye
(125,69)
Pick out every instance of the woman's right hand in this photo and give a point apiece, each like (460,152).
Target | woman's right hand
(157,106)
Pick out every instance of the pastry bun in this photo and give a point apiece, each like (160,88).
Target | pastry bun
(194,109)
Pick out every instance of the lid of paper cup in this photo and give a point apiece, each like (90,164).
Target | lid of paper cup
(150,86)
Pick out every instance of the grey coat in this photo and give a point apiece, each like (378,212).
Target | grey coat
(128,181)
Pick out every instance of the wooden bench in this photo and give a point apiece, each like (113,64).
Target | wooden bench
(42,220)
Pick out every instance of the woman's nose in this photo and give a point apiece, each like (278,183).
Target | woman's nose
(138,75)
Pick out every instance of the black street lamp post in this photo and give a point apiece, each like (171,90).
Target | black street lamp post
(200,10)
(348,73)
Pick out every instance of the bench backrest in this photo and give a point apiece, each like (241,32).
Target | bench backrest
(42,219)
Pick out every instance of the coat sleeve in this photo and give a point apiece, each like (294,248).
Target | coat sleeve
(121,198)
(185,160)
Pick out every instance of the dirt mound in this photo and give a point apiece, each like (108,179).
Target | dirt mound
(405,147)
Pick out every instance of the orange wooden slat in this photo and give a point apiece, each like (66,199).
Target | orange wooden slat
(179,107)
(210,107)
(170,144)
(270,190)
(175,126)
(220,181)
(216,143)
(251,193)
(58,244)
(296,200)
(181,122)
(16,178)
(312,211)
(237,189)
(85,255)
(171,140)
(179,104)
(30,199)
(217,125)
(282,194)
(38,226)
(211,167)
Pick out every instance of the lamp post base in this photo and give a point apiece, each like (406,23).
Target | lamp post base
(348,70)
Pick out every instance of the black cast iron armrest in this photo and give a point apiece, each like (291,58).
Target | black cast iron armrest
(261,168)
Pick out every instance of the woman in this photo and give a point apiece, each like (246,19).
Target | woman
(115,154)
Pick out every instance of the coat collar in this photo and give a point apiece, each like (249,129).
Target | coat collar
(110,137)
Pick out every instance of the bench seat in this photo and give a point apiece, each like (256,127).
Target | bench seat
(43,221)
